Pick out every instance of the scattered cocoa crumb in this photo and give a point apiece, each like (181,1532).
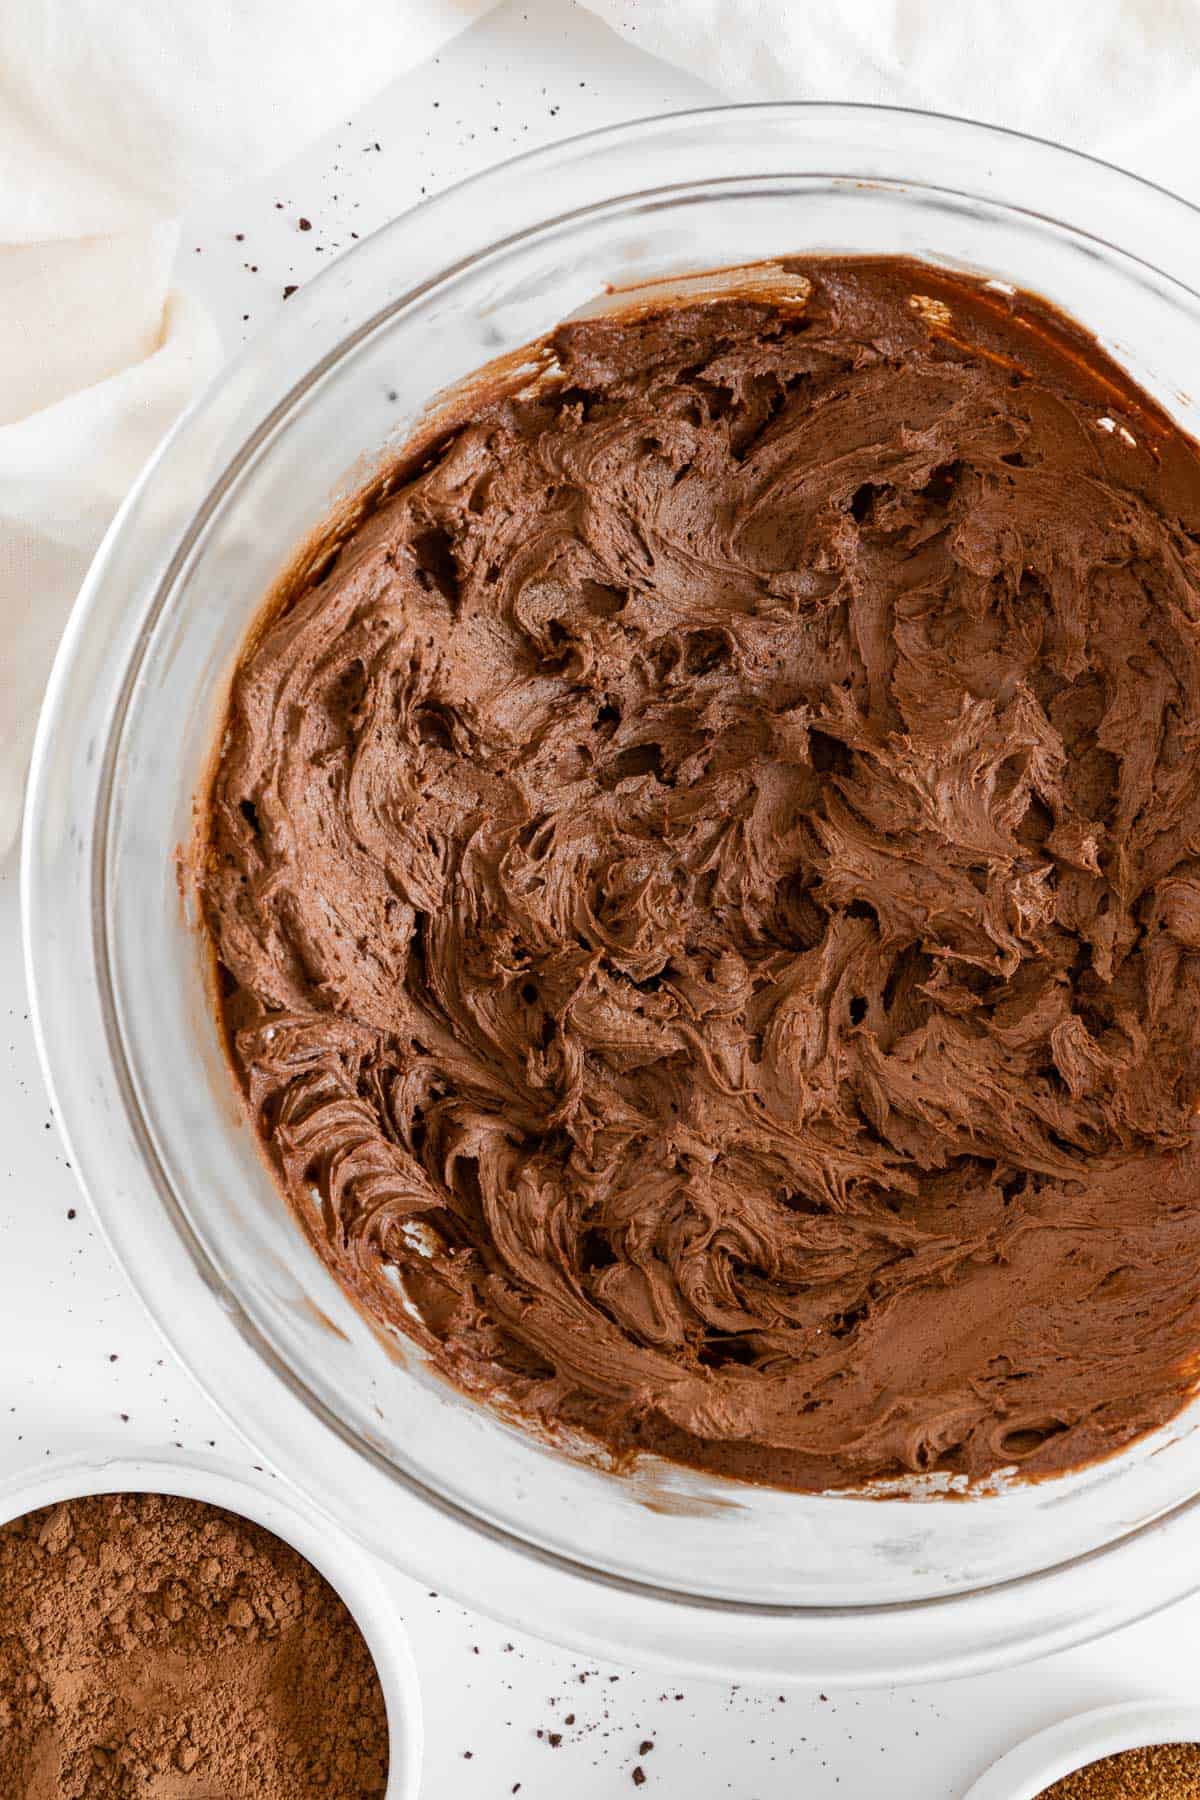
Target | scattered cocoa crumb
(639,1776)
(289,290)
(154,1644)
(645,1747)
(554,1739)
(305,224)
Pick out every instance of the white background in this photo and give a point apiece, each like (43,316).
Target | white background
(78,1357)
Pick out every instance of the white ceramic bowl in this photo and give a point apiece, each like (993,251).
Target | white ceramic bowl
(276,1506)
(1072,1744)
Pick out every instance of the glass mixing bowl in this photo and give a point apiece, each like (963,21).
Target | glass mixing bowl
(665,1563)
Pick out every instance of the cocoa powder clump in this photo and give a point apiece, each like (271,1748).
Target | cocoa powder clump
(158,1646)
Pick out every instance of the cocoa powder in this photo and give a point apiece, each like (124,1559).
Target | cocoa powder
(161,1647)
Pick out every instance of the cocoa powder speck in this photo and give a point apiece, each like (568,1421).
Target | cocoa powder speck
(156,1646)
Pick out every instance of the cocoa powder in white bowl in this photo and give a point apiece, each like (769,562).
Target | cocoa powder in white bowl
(186,1629)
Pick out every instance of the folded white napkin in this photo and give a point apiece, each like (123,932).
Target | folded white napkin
(1120,78)
(96,362)
(112,118)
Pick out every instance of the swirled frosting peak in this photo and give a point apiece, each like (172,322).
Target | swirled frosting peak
(708,885)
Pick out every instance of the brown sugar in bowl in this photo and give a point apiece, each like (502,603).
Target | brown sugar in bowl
(1033,1768)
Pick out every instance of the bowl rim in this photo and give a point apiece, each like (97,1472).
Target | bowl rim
(279,1508)
(40,845)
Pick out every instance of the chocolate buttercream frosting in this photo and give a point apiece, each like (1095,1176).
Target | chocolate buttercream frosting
(707,880)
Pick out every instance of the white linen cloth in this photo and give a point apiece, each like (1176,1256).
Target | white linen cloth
(1119,78)
(113,117)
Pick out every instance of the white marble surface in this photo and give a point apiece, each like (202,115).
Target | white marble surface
(78,1358)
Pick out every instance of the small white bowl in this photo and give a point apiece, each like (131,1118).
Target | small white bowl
(278,1507)
(1040,1761)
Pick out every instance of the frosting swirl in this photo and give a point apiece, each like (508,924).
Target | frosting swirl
(708,883)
